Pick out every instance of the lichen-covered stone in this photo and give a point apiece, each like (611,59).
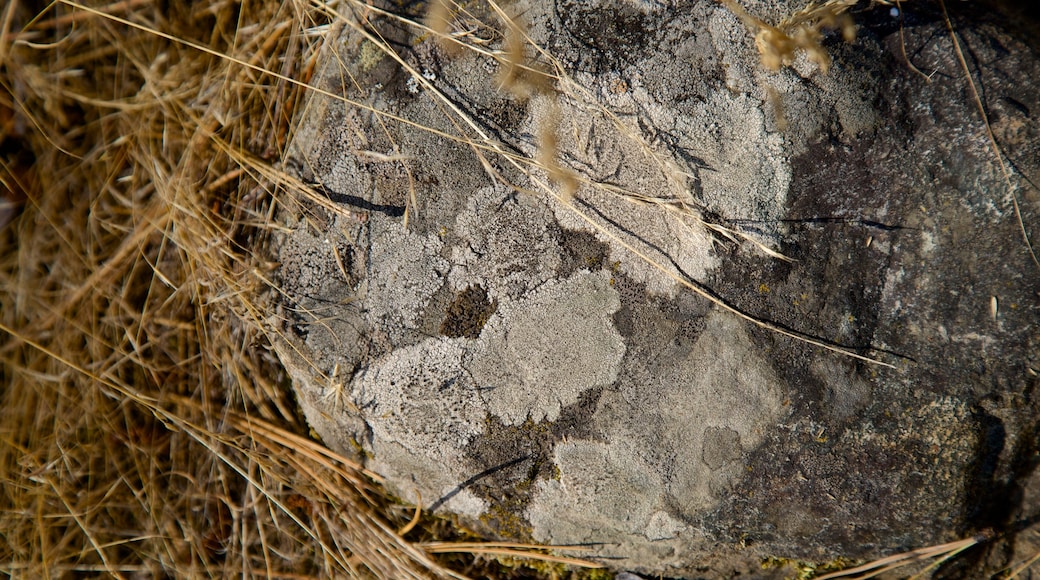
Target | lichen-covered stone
(514,356)
(539,354)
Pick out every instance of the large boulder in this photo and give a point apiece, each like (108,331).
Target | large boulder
(632,367)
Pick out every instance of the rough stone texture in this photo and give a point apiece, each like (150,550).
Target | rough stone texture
(512,362)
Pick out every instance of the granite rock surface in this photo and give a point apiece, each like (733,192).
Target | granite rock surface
(583,370)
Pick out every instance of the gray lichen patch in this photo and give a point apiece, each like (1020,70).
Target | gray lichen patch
(408,271)
(600,486)
(610,497)
(507,244)
(321,274)
(689,411)
(539,354)
(626,170)
(721,446)
(415,478)
(421,403)
(310,260)
(743,179)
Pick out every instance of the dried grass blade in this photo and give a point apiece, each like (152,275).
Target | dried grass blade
(893,562)
(989,132)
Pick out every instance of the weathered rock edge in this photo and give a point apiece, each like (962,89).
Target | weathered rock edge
(511,364)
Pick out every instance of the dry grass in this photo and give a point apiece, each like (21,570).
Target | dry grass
(799,33)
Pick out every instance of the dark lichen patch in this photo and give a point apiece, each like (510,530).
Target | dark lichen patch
(516,457)
(869,476)
(581,251)
(467,314)
(614,31)
(640,314)
(506,523)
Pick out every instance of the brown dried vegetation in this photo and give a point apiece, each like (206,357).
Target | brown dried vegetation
(799,33)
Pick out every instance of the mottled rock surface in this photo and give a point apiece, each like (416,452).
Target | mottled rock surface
(537,364)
